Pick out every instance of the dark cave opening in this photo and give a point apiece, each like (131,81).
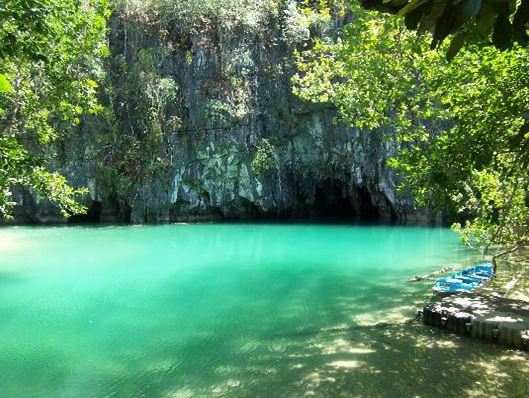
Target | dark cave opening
(333,202)
(92,215)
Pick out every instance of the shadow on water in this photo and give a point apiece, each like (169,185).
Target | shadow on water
(409,361)
(363,361)
(368,357)
(392,359)
(389,358)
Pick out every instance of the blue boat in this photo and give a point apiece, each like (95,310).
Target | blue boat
(468,280)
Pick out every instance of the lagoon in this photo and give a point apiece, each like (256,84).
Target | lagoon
(237,310)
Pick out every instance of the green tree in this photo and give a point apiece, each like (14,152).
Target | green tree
(50,57)
(503,21)
(265,159)
(460,127)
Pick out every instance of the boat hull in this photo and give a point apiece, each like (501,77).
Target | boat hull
(469,280)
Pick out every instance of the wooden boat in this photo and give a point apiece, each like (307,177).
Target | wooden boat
(467,280)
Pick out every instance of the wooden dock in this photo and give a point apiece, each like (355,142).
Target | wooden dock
(492,318)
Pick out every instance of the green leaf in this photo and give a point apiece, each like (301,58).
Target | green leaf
(411,19)
(429,20)
(5,86)
(443,27)
(412,5)
(470,9)
(462,13)
(502,36)
(455,45)
(516,140)
(485,20)
(520,23)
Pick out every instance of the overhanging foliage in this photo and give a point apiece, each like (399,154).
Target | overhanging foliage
(502,21)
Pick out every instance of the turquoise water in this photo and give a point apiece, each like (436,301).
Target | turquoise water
(232,310)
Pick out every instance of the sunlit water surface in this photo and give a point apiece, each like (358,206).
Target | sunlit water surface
(234,310)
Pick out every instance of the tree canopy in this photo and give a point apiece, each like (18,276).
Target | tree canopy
(460,128)
(50,53)
(503,21)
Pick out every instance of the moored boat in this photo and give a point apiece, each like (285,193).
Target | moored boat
(467,280)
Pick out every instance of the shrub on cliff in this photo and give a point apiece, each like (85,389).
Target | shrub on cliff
(197,15)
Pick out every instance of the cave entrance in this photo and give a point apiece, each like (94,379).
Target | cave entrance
(333,202)
(92,215)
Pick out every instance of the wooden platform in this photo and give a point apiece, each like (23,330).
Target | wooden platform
(498,319)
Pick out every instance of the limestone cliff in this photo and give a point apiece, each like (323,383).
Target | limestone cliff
(201,124)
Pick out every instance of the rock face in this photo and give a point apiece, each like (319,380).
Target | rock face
(202,124)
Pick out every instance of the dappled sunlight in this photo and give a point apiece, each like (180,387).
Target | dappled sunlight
(225,388)
(509,319)
(491,370)
(182,393)
(390,315)
(351,364)
(427,342)
(378,359)
(341,345)
(516,357)
(512,280)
